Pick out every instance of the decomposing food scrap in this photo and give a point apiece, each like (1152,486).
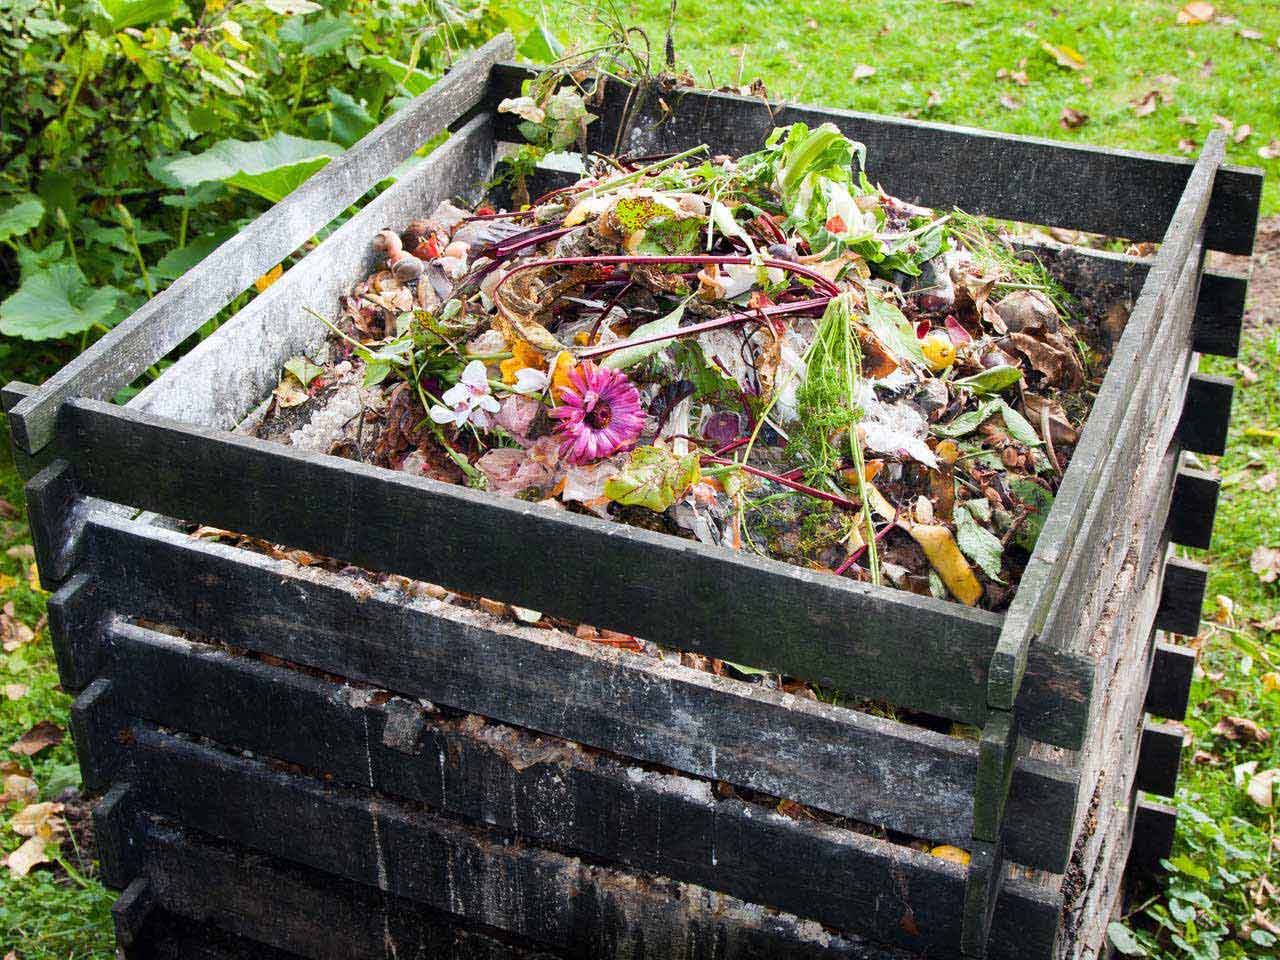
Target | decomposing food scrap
(766,353)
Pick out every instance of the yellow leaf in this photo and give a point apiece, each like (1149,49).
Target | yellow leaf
(268,278)
(33,580)
(945,557)
(18,787)
(1063,55)
(954,854)
(37,819)
(563,366)
(7,582)
(1270,682)
(32,853)
(523,355)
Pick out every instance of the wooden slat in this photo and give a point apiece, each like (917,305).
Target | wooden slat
(177,312)
(223,378)
(1207,414)
(130,912)
(1114,192)
(1171,676)
(1182,596)
(849,763)
(1158,758)
(1153,830)
(551,898)
(860,639)
(545,790)
(115,835)
(1103,438)
(1195,503)
(252,907)
(1220,313)
(74,612)
(96,722)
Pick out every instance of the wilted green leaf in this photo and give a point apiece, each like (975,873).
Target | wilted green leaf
(1017,425)
(654,478)
(978,543)
(56,302)
(630,356)
(303,369)
(894,330)
(271,168)
(21,217)
(993,380)
(1037,499)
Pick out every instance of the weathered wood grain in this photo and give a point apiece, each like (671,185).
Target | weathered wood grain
(256,907)
(130,912)
(178,311)
(1220,313)
(52,497)
(863,640)
(1114,192)
(1153,832)
(74,612)
(849,763)
(116,835)
(549,897)
(1182,596)
(547,791)
(96,722)
(1159,754)
(221,380)
(1132,364)
(1171,676)
(1195,503)
(1207,414)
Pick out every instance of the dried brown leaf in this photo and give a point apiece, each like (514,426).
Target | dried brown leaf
(1241,730)
(863,70)
(1188,145)
(1271,151)
(1010,103)
(1246,33)
(1070,118)
(1243,132)
(1268,482)
(31,854)
(1195,13)
(43,735)
(1146,105)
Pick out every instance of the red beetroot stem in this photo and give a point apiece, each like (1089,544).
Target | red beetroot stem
(792,484)
(857,554)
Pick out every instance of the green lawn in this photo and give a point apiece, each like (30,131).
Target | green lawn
(938,61)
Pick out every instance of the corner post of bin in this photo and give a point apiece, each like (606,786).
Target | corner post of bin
(162,323)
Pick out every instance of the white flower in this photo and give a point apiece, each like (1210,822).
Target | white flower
(530,381)
(468,400)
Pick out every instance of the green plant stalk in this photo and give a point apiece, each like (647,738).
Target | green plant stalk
(642,172)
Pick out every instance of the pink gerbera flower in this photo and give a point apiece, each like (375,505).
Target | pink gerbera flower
(599,414)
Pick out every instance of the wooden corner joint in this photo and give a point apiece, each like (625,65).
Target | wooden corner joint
(77,613)
(997,754)
(53,496)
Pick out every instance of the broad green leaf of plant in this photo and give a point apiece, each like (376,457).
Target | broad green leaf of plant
(345,119)
(56,302)
(291,8)
(317,37)
(271,168)
(630,356)
(541,45)
(181,259)
(993,380)
(653,478)
(136,13)
(1124,941)
(21,217)
(303,369)
(894,330)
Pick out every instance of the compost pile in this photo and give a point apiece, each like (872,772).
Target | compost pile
(765,354)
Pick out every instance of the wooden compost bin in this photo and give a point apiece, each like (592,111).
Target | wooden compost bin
(297,763)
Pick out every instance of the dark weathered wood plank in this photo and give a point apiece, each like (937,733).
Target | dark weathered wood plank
(52,495)
(861,639)
(74,611)
(1182,596)
(96,722)
(256,908)
(1171,676)
(177,312)
(1207,414)
(131,910)
(1158,758)
(1153,830)
(541,789)
(115,835)
(1195,503)
(1220,313)
(1103,437)
(832,758)
(1114,192)
(547,896)
(225,376)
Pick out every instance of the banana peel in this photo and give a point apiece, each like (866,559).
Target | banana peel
(940,548)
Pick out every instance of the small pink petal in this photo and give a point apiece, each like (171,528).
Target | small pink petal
(959,335)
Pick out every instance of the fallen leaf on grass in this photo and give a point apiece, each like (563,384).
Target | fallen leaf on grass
(1241,730)
(1271,151)
(1072,118)
(32,853)
(1195,13)
(13,632)
(9,511)
(1010,103)
(23,551)
(1246,33)
(1146,105)
(1265,563)
(19,788)
(1247,373)
(1224,609)
(1261,787)
(863,70)
(38,819)
(268,278)
(1189,121)
(1063,55)
(1270,682)
(1016,76)
(1223,123)
(1243,133)
(40,737)
(16,691)
(1187,145)
(1206,759)
(934,99)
